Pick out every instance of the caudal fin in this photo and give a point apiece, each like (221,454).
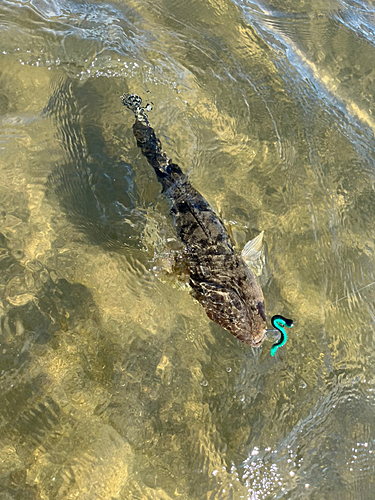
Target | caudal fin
(134,103)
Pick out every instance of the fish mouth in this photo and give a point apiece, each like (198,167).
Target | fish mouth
(258,341)
(250,338)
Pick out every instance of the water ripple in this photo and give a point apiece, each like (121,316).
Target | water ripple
(109,367)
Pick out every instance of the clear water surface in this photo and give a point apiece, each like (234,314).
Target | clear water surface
(114,384)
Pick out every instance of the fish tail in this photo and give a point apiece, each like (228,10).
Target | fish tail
(167,172)
(134,103)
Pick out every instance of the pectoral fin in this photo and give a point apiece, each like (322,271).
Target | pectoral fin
(252,251)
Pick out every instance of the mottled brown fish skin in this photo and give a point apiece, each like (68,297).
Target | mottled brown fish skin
(219,277)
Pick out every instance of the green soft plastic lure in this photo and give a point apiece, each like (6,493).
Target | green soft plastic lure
(280,322)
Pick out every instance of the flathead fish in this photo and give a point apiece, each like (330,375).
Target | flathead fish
(220,277)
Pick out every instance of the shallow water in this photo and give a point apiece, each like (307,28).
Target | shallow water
(114,383)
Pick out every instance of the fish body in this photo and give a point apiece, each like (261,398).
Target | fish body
(220,279)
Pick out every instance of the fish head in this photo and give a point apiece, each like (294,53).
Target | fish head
(237,308)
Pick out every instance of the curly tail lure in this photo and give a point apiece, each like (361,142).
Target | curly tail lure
(279,322)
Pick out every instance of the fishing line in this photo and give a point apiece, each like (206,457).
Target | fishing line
(353,293)
(279,322)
